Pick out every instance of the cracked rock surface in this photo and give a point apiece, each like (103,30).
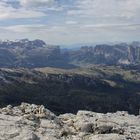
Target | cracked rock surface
(35,122)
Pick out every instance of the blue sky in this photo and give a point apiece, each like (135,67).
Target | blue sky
(70,21)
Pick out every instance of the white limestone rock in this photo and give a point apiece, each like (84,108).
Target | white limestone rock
(34,122)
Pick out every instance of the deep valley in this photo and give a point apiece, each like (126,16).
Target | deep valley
(100,88)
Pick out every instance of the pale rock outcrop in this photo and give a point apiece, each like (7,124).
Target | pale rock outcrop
(34,122)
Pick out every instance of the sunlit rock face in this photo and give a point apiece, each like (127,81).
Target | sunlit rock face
(35,122)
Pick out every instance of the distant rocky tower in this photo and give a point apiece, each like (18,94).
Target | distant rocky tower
(134,52)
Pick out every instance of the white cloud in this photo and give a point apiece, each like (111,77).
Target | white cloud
(83,21)
(71,22)
(108,9)
(36,3)
(108,25)
(26,28)
(41,5)
(8,12)
(88,33)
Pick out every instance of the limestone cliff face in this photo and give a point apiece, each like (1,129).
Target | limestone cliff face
(35,122)
(134,54)
(108,54)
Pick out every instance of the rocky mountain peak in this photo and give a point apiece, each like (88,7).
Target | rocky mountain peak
(35,122)
(23,43)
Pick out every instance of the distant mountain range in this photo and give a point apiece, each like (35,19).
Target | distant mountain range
(36,53)
(110,82)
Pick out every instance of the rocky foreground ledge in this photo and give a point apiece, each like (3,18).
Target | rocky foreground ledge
(32,122)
